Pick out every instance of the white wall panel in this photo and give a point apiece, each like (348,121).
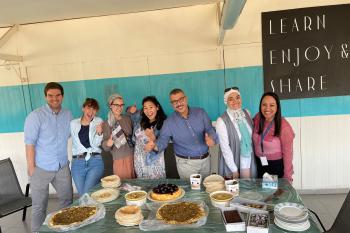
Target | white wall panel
(12,145)
(325,152)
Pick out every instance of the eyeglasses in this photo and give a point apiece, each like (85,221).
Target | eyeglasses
(118,105)
(180,100)
(231,88)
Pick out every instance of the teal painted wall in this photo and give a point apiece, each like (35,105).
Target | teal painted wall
(203,88)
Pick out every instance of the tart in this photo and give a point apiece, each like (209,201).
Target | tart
(166,192)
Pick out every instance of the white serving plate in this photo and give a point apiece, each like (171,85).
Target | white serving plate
(291,211)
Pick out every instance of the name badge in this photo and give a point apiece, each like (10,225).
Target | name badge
(263,160)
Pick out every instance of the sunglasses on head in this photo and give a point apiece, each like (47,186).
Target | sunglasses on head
(231,88)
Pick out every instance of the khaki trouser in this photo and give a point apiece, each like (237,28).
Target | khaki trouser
(186,167)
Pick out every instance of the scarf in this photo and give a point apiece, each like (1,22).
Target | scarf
(246,139)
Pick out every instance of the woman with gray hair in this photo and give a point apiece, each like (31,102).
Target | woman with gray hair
(117,134)
(234,128)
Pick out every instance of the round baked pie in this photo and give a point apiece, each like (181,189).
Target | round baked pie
(71,216)
(180,213)
(166,192)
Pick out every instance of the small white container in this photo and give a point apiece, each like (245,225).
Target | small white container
(221,198)
(232,186)
(196,180)
(137,198)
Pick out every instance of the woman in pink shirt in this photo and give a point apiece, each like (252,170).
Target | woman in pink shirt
(273,139)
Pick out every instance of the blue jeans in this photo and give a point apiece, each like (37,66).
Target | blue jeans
(86,174)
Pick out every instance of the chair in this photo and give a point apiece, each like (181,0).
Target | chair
(341,223)
(12,198)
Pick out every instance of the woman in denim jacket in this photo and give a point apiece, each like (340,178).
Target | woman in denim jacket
(86,131)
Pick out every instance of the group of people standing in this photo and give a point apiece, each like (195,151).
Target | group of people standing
(137,140)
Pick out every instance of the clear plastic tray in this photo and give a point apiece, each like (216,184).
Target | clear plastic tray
(248,206)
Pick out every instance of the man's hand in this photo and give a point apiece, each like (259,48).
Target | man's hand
(209,141)
(150,146)
(31,170)
(30,155)
(150,134)
(110,141)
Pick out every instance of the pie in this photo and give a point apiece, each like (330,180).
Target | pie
(105,195)
(112,181)
(72,216)
(180,213)
(166,192)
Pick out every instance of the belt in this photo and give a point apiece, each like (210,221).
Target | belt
(83,155)
(203,156)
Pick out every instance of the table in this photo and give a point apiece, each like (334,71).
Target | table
(249,188)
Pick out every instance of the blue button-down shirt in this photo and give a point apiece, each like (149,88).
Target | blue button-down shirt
(188,135)
(49,133)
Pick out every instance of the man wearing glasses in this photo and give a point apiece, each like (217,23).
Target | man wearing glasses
(46,133)
(191,131)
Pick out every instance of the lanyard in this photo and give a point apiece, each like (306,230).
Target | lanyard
(263,135)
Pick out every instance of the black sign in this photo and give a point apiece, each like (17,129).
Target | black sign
(306,51)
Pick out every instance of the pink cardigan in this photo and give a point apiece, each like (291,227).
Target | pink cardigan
(276,147)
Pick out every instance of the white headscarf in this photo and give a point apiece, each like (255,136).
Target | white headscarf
(227,93)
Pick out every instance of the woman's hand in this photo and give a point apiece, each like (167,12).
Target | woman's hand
(150,134)
(110,141)
(99,129)
(235,175)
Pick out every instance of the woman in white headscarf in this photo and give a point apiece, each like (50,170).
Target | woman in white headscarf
(234,128)
(117,138)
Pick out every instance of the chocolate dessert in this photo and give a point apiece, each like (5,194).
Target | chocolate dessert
(232,216)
